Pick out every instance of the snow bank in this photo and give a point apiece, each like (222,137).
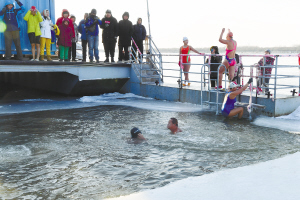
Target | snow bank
(277,179)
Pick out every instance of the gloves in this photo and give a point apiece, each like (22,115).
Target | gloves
(3,9)
(250,80)
(51,24)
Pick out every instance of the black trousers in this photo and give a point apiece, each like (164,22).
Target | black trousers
(109,48)
(72,51)
(121,55)
(12,36)
(84,46)
(140,45)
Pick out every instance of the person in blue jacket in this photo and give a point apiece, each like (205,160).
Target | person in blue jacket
(91,24)
(82,31)
(12,32)
(228,109)
(139,35)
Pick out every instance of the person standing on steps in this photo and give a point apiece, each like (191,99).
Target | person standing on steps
(185,60)
(109,35)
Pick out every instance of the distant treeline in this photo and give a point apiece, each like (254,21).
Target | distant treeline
(252,49)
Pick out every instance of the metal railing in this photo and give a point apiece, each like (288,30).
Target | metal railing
(279,72)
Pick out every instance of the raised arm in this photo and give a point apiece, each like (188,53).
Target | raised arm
(237,92)
(221,37)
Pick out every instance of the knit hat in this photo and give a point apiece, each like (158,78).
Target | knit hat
(268,50)
(73,16)
(94,11)
(65,20)
(33,7)
(108,11)
(185,38)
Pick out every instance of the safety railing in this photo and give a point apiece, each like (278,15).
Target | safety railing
(153,58)
(283,77)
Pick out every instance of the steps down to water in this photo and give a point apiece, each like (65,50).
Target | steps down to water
(146,73)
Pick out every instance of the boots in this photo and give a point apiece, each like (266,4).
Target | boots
(112,60)
(106,60)
(49,58)
(42,58)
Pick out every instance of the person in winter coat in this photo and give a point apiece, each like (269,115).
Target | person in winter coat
(64,40)
(82,31)
(139,35)
(265,71)
(215,63)
(72,50)
(65,15)
(125,33)
(46,27)
(12,32)
(109,35)
(33,18)
(92,24)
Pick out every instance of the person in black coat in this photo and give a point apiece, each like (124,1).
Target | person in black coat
(139,34)
(109,35)
(125,33)
(215,63)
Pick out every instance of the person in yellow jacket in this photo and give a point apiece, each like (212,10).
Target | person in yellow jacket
(33,18)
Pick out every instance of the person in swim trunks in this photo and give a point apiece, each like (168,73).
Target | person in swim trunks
(185,61)
(173,126)
(228,109)
(229,61)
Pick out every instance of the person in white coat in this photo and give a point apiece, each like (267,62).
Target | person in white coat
(46,27)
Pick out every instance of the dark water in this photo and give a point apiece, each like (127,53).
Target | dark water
(83,154)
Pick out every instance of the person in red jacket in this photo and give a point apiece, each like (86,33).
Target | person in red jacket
(64,40)
(65,15)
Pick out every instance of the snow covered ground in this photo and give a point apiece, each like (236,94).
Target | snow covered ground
(272,180)
(277,180)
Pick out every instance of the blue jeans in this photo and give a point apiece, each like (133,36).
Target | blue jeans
(93,42)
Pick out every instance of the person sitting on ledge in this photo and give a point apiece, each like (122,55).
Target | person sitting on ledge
(228,109)
(173,126)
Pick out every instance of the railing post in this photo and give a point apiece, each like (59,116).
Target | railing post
(161,69)
(275,81)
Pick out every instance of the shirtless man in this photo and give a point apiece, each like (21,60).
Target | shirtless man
(229,61)
(173,126)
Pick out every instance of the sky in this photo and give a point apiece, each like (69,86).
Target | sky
(263,23)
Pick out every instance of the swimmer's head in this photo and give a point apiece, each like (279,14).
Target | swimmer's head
(135,132)
(229,34)
(233,85)
(172,122)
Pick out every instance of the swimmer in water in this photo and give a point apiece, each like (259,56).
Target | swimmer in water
(173,126)
(185,61)
(137,134)
(229,61)
(228,109)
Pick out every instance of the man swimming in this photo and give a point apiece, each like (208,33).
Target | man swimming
(137,134)
(173,126)
(229,61)
(228,109)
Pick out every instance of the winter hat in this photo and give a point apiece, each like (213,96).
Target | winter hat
(33,7)
(108,11)
(94,11)
(185,38)
(125,14)
(73,16)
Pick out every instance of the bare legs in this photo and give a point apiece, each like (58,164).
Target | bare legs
(222,70)
(186,68)
(237,111)
(33,50)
